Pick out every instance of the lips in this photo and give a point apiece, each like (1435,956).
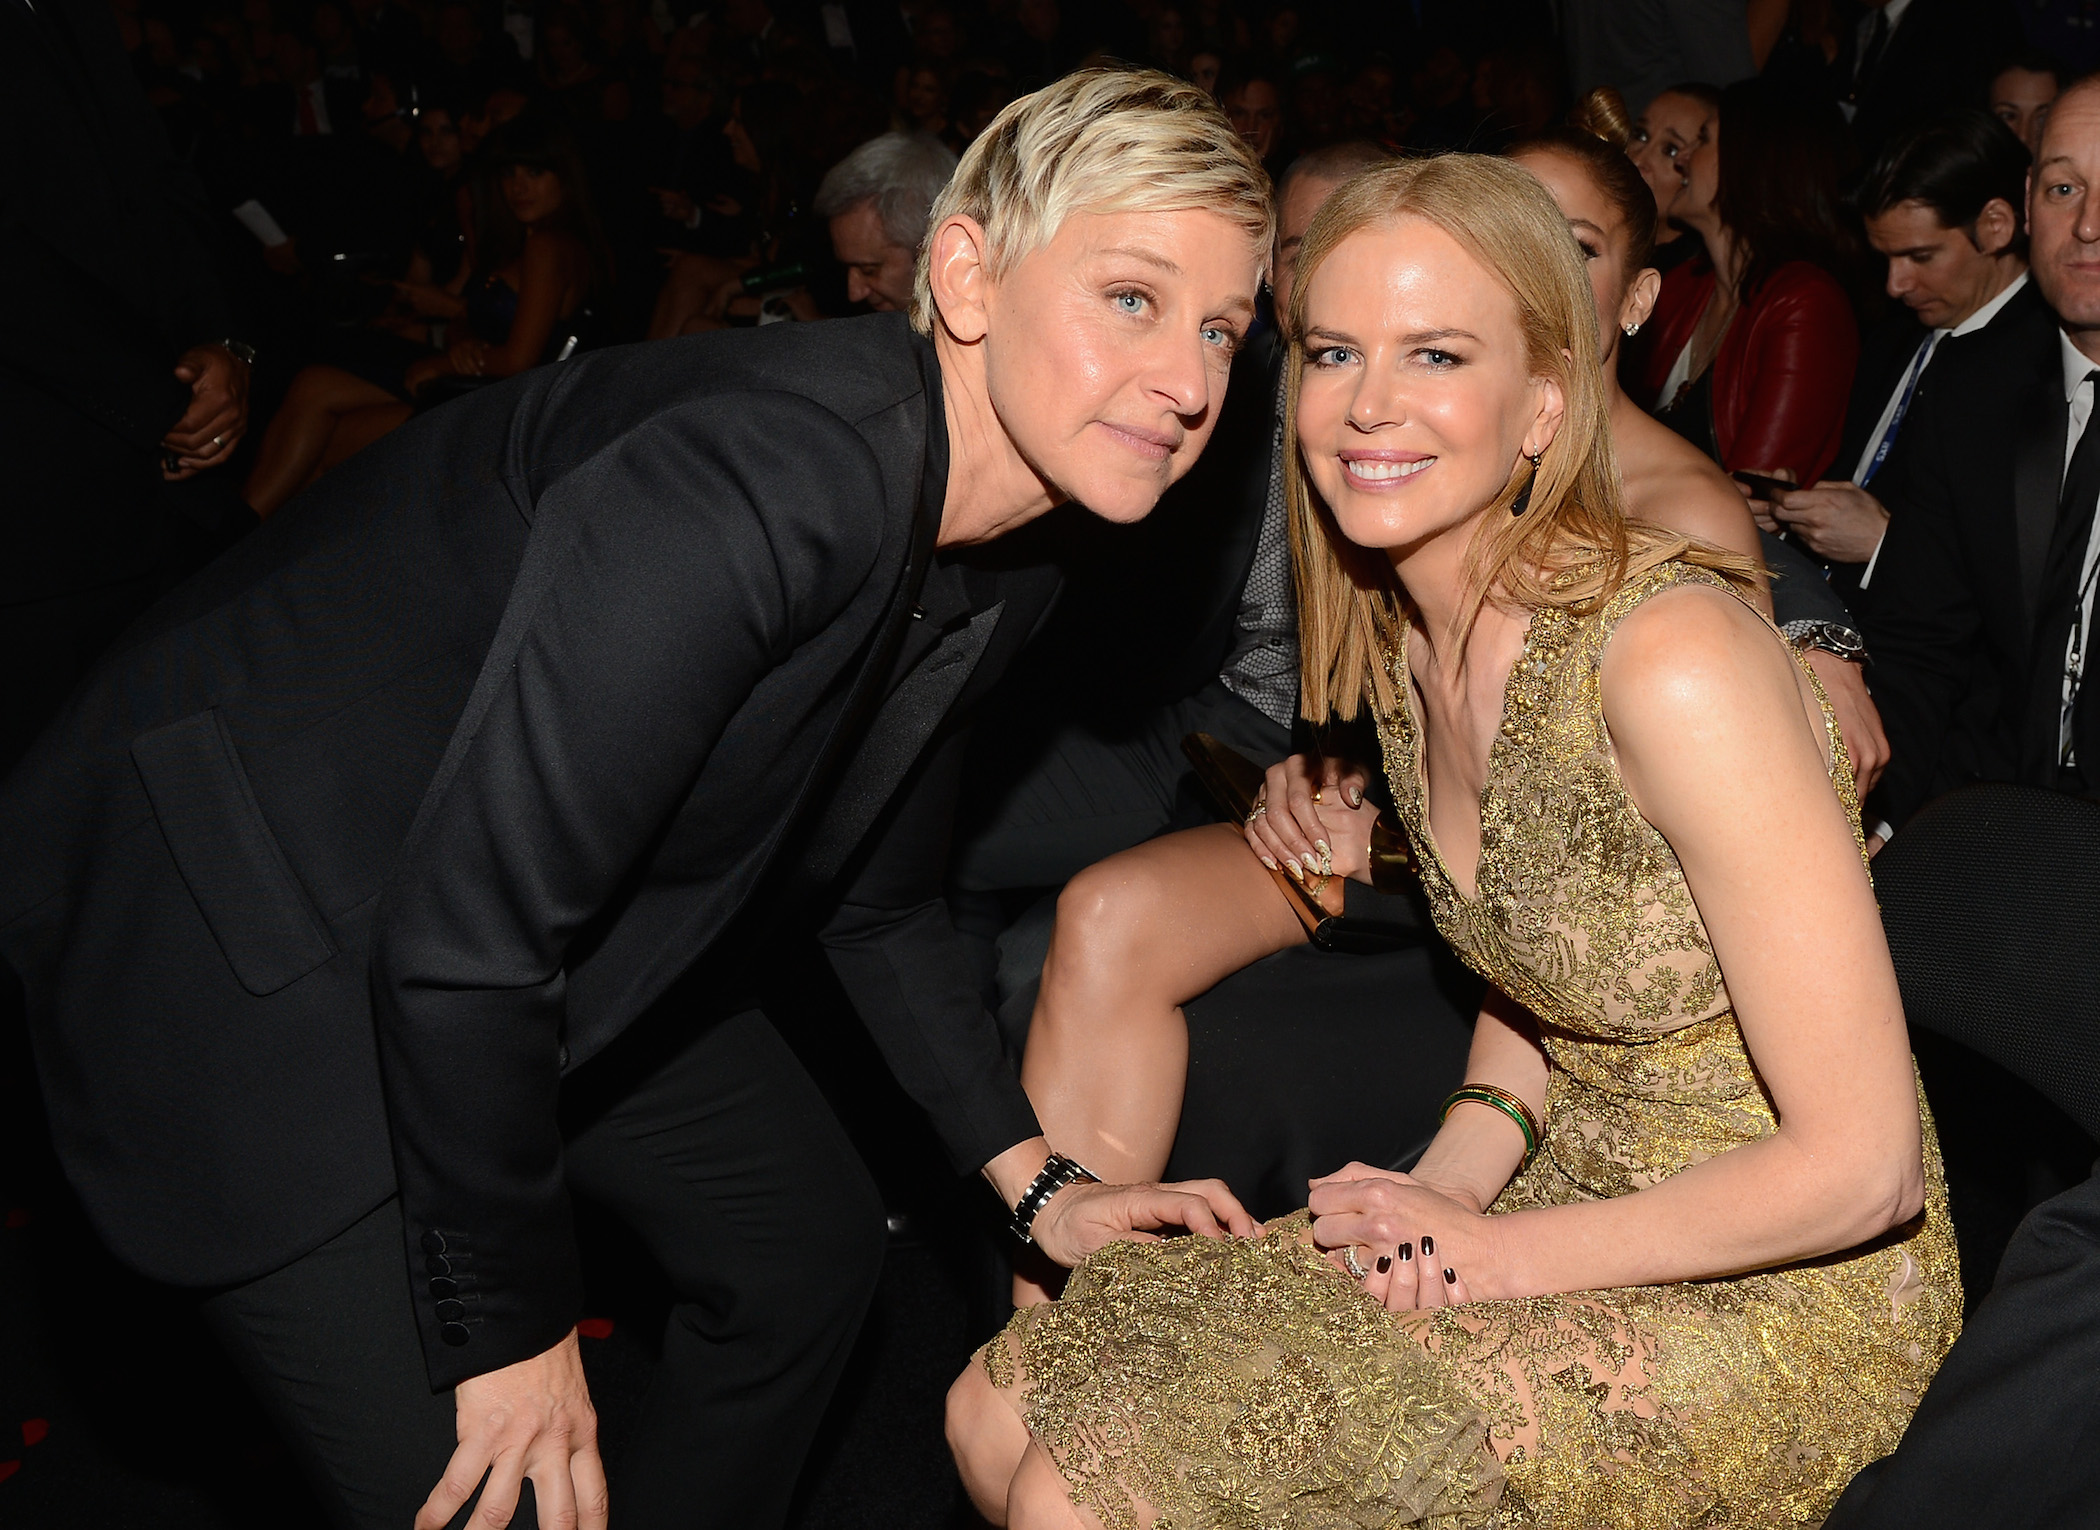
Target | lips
(1154,445)
(1379,470)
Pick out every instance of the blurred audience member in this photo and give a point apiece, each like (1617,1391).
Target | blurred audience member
(1664,133)
(876,202)
(533,271)
(1644,47)
(1754,344)
(1909,59)
(1979,610)
(1205,65)
(1942,204)
(2021,93)
(119,372)
(1254,101)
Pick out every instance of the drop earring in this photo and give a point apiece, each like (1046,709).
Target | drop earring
(1522,502)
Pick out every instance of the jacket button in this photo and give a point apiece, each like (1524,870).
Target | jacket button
(433,1242)
(454,1334)
(441,1288)
(437,1264)
(451,1311)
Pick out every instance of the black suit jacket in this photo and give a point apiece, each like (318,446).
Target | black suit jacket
(1971,489)
(1936,58)
(108,254)
(422,794)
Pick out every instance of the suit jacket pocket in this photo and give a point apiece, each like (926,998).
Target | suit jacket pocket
(261,917)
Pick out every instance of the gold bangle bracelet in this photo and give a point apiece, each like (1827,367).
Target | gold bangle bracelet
(1509,1105)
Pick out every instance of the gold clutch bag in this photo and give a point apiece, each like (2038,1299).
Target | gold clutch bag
(1234,783)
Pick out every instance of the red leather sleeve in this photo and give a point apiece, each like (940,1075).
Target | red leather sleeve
(1784,376)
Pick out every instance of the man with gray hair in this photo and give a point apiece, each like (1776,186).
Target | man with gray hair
(877,200)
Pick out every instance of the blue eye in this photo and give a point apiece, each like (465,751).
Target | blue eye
(1129,302)
(1332,356)
(1438,359)
(1219,335)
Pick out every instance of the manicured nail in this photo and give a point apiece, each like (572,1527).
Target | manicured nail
(1270,864)
(1407,1252)
(1385,1262)
(1312,862)
(1295,874)
(1428,1246)
(1450,1276)
(1356,796)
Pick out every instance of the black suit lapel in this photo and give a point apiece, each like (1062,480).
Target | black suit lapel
(2038,469)
(894,741)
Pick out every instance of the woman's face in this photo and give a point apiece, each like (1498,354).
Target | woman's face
(1662,137)
(1203,71)
(532,194)
(1417,399)
(438,135)
(1701,165)
(1622,297)
(1107,350)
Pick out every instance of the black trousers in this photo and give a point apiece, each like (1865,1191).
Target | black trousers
(2008,1434)
(718,1149)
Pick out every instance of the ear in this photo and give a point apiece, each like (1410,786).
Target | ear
(1995,226)
(1552,409)
(959,270)
(1640,297)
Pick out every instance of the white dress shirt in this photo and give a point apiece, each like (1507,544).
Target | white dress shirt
(1887,422)
(2078,404)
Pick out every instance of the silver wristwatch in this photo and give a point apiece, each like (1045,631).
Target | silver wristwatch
(1831,637)
(239,350)
(1057,1172)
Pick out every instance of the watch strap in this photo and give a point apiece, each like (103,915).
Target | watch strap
(1057,1172)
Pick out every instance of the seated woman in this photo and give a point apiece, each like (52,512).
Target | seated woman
(1665,132)
(1679,1253)
(1752,349)
(1142,933)
(533,270)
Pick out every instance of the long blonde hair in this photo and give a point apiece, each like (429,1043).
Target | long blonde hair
(1573,546)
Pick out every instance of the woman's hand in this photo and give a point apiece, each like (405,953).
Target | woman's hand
(1311,819)
(1082,1218)
(1419,1246)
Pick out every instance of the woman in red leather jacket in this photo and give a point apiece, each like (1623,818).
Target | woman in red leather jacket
(1752,346)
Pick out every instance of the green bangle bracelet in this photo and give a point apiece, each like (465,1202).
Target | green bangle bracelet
(1510,1107)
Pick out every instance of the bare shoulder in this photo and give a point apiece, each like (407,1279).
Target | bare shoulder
(1671,483)
(1694,661)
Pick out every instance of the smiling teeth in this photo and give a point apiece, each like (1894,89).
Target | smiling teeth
(1377,471)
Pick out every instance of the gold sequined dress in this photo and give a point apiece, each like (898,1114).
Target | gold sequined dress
(1249,1384)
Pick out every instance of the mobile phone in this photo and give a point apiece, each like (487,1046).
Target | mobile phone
(1767,488)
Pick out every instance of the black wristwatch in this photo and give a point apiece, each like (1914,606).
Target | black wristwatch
(1057,1172)
(1831,637)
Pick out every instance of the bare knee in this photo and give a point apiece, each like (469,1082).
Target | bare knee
(1105,924)
(987,1438)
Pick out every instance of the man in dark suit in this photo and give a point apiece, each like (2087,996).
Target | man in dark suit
(1971,605)
(1907,60)
(1942,206)
(120,366)
(403,873)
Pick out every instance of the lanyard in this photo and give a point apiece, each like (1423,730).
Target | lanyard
(1910,387)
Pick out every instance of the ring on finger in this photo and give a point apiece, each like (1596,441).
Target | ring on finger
(1349,1258)
(218,441)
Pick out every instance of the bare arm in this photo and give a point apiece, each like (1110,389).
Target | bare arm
(1714,743)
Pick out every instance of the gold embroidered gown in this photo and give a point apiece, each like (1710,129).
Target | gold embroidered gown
(1250,1384)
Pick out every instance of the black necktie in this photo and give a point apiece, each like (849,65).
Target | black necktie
(2058,609)
(1870,55)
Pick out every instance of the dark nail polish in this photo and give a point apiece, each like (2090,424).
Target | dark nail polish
(1407,1252)
(1450,1276)
(1385,1262)
(1428,1246)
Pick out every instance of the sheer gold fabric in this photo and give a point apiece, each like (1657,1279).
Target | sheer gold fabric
(1249,1384)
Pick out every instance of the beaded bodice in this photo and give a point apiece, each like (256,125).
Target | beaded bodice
(1581,913)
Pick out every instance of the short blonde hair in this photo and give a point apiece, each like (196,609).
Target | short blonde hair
(1098,140)
(1573,545)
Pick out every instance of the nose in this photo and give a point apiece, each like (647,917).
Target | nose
(1378,402)
(1900,280)
(1180,375)
(2089,219)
